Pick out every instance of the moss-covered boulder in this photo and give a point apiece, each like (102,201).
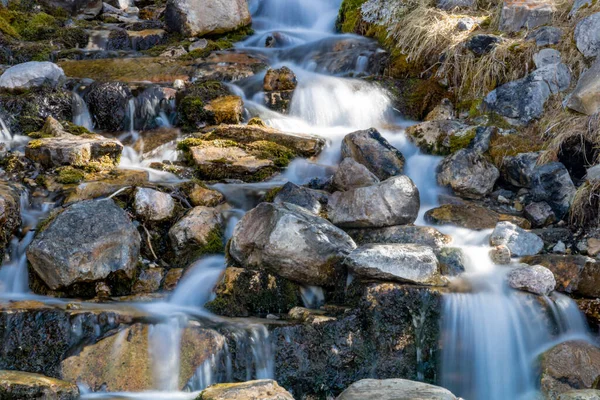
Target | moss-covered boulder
(471,216)
(25,385)
(265,389)
(191,104)
(226,109)
(441,137)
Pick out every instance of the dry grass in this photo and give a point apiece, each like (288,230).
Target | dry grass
(585,209)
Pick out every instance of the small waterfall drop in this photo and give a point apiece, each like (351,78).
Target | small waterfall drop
(81,113)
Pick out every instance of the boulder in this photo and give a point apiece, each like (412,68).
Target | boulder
(482,44)
(199,232)
(395,262)
(211,17)
(534,279)
(501,255)
(108,103)
(519,241)
(88,242)
(586,96)
(579,4)
(546,57)
(85,9)
(25,385)
(568,366)
(394,389)
(202,196)
(265,389)
(401,234)
(441,137)
(552,183)
(394,201)
(470,216)
(540,214)
(310,199)
(468,173)
(31,75)
(373,151)
(587,35)
(584,394)
(291,242)
(152,205)
(452,261)
(279,85)
(226,109)
(527,14)
(351,175)
(518,170)
(546,36)
(122,362)
(148,281)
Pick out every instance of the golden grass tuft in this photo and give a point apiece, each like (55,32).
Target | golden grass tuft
(585,209)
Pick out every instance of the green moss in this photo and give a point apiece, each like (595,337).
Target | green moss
(40,26)
(188,143)
(192,113)
(75,129)
(280,155)
(272,193)
(73,37)
(460,142)
(257,122)
(70,175)
(511,145)
(35,144)
(349,16)
(7,29)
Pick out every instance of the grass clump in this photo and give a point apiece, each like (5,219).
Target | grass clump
(69,175)
(511,145)
(585,209)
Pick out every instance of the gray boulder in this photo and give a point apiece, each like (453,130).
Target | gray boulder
(519,241)
(85,243)
(440,136)
(546,57)
(552,183)
(153,205)
(546,36)
(468,173)
(351,175)
(198,18)
(395,262)
(540,214)
(30,75)
(291,242)
(394,389)
(518,170)
(452,261)
(534,279)
(586,96)
(528,14)
(456,4)
(394,201)
(310,199)
(373,151)
(402,234)
(587,35)
(482,44)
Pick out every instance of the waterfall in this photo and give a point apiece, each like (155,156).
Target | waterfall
(81,113)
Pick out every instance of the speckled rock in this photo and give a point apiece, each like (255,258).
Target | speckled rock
(25,385)
(153,205)
(534,279)
(394,389)
(265,389)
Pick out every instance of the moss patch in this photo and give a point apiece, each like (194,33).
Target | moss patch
(280,155)
(192,114)
(70,175)
(511,145)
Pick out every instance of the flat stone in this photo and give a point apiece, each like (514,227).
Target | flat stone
(394,389)
(470,216)
(215,162)
(25,385)
(401,234)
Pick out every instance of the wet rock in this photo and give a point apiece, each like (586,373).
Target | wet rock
(525,14)
(394,331)
(310,199)
(568,366)
(108,104)
(118,179)
(394,389)
(25,385)
(122,362)
(63,148)
(352,175)
(452,261)
(10,215)
(468,173)
(174,52)
(534,279)
(148,281)
(587,36)
(202,196)
(243,292)
(85,243)
(482,44)
(85,9)
(279,85)
(519,241)
(172,278)
(470,216)
(118,39)
(501,255)
(198,232)
(291,242)
(576,275)
(585,394)
(441,137)
(265,389)
(152,205)
(230,66)
(373,151)
(302,144)
(586,96)
(539,214)
(552,183)
(395,262)
(226,109)
(518,170)
(30,75)
(402,234)
(146,39)
(394,201)
(213,17)
(546,36)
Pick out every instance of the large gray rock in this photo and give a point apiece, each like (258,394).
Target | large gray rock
(587,35)
(351,175)
(518,170)
(468,173)
(153,205)
(403,234)
(373,151)
(290,242)
(394,389)
(394,201)
(30,75)
(552,183)
(528,14)
(519,241)
(87,242)
(312,200)
(395,262)
(24,385)
(534,279)
(546,57)
(85,9)
(586,96)
(198,18)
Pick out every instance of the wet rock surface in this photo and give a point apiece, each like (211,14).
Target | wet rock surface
(394,389)
(214,17)
(406,234)
(24,385)
(262,389)
(535,279)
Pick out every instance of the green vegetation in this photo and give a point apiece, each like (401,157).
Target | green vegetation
(280,155)
(69,175)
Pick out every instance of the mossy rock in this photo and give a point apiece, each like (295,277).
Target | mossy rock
(192,102)
(28,111)
(70,175)
(349,16)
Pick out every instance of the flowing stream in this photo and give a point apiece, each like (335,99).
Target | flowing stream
(490,337)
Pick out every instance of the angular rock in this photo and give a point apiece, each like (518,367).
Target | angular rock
(87,242)
(587,35)
(527,14)
(501,255)
(86,9)
(31,75)
(518,170)
(395,262)
(279,85)
(552,183)
(153,205)
(25,385)
(265,389)
(122,362)
(468,173)
(539,214)
(352,175)
(584,394)
(198,232)
(534,279)
(519,241)
(108,104)
(214,161)
(394,389)
(394,201)
(470,216)
(445,110)
(482,44)
(546,36)
(586,96)
(193,18)
(148,281)
(291,242)
(10,215)
(452,261)
(568,366)
(401,234)
(373,151)
(226,109)
(310,199)
(441,137)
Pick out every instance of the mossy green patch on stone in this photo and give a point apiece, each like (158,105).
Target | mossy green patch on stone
(70,175)
(349,16)
(270,195)
(280,155)
(458,142)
